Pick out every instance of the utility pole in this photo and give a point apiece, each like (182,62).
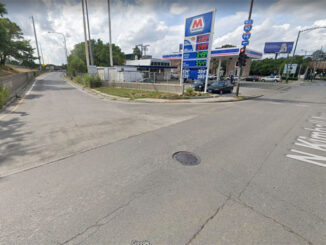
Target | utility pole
(85,36)
(38,51)
(110,37)
(244,47)
(89,36)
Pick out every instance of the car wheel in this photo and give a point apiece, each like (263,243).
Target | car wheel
(275,80)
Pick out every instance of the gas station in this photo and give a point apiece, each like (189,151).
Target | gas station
(228,56)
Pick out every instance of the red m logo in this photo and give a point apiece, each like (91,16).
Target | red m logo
(197,25)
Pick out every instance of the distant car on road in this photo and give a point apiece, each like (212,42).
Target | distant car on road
(272,79)
(252,78)
(220,87)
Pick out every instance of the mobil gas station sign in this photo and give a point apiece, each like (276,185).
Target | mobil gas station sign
(197,45)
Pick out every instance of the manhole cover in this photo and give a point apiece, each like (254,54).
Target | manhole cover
(186,158)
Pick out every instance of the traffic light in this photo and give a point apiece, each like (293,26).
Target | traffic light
(242,57)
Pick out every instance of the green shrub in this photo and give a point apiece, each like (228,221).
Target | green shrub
(79,79)
(290,78)
(4,93)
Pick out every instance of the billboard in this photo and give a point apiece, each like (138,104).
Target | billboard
(278,47)
(197,46)
(292,69)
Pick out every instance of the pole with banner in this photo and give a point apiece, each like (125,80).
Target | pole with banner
(197,46)
(245,36)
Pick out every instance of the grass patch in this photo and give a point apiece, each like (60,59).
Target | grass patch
(4,94)
(136,94)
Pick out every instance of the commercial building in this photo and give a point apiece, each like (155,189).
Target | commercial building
(158,69)
(226,57)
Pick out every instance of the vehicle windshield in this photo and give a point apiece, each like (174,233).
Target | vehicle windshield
(218,83)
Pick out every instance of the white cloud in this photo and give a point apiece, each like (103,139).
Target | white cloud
(177,8)
(161,23)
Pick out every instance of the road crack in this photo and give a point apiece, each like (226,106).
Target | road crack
(102,221)
(285,227)
(207,220)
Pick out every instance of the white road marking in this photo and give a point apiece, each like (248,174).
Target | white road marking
(307,157)
(316,141)
(20,102)
(31,88)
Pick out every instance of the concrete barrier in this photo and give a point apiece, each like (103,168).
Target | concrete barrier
(165,88)
(15,83)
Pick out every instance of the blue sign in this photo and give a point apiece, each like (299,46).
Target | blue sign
(245,43)
(278,47)
(188,48)
(199,24)
(195,55)
(247,28)
(246,22)
(246,36)
(195,63)
(194,73)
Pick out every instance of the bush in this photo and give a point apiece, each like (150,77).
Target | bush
(4,93)
(190,92)
(290,78)
(89,81)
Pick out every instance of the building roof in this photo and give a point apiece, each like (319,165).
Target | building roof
(223,52)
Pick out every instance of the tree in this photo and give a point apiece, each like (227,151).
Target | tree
(226,46)
(101,51)
(137,52)
(319,55)
(3,10)
(12,43)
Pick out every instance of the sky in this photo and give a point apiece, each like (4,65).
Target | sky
(160,23)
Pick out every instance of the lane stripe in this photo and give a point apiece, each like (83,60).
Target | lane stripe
(20,102)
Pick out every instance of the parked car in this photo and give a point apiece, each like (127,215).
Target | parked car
(199,85)
(252,78)
(220,87)
(272,79)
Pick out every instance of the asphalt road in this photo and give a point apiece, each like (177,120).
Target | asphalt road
(79,169)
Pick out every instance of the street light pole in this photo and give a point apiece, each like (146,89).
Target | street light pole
(65,44)
(38,51)
(295,47)
(110,37)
